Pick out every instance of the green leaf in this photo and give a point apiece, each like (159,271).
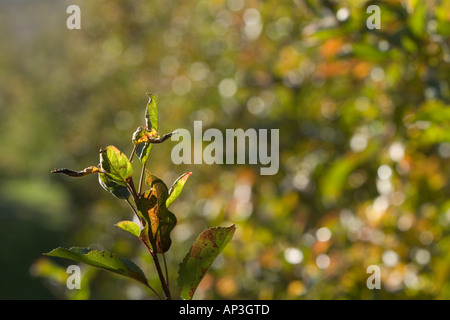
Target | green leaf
(417,20)
(151,113)
(333,179)
(434,111)
(369,53)
(205,249)
(143,147)
(82,173)
(143,151)
(114,188)
(145,137)
(130,227)
(150,131)
(176,188)
(101,259)
(116,165)
(46,268)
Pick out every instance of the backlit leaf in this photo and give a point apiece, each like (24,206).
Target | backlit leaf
(116,166)
(143,147)
(130,227)
(114,188)
(143,151)
(152,208)
(205,249)
(176,188)
(101,259)
(151,113)
(417,20)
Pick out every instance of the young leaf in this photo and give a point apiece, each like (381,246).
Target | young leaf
(176,188)
(143,151)
(143,146)
(138,134)
(205,249)
(151,113)
(130,227)
(144,140)
(82,173)
(114,188)
(143,136)
(101,259)
(116,165)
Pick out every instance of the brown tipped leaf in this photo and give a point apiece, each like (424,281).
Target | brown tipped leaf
(77,174)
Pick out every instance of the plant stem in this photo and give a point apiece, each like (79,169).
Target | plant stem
(165,267)
(132,153)
(164,284)
(135,212)
(154,291)
(161,276)
(154,255)
(132,190)
(141,180)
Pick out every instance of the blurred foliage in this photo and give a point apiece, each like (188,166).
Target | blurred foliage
(364,141)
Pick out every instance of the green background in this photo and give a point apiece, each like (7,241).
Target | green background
(364,142)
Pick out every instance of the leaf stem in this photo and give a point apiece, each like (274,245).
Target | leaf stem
(165,285)
(154,291)
(132,190)
(132,153)
(135,212)
(161,276)
(141,179)
(154,255)
(164,137)
(165,267)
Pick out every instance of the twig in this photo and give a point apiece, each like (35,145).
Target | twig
(132,190)
(135,211)
(141,180)
(165,267)
(154,291)
(132,153)
(161,276)
(154,255)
